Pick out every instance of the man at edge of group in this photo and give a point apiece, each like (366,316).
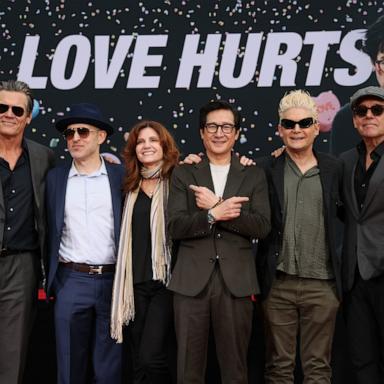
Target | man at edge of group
(363,257)
(23,166)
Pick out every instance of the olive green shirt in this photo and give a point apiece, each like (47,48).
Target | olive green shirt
(304,250)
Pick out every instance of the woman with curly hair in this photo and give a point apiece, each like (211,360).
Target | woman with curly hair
(144,258)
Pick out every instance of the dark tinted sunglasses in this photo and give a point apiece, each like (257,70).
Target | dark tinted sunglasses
(303,123)
(361,110)
(83,132)
(17,111)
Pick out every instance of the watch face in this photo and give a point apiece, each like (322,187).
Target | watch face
(211,218)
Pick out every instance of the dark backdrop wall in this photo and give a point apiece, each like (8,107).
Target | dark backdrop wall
(162,60)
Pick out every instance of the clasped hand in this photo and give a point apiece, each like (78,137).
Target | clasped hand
(222,210)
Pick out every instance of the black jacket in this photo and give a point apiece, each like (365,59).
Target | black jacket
(269,248)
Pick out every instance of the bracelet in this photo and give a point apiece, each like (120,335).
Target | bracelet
(218,203)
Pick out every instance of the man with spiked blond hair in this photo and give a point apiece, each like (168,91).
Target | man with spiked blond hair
(298,266)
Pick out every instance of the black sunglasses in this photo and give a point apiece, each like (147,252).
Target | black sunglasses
(303,123)
(83,132)
(17,111)
(361,110)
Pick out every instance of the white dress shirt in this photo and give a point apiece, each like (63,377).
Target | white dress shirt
(88,234)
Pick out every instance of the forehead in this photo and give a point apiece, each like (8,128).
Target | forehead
(147,132)
(81,125)
(220,116)
(296,113)
(369,100)
(13,98)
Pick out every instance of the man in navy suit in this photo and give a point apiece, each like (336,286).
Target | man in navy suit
(84,203)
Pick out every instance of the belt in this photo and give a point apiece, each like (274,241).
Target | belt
(90,268)
(9,252)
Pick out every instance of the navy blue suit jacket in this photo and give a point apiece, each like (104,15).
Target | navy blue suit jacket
(56,186)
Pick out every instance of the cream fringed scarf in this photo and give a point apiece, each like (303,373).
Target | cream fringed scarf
(123,306)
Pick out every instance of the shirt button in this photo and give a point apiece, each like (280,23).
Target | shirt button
(8,228)
(13,191)
(219,235)
(10,209)
(363,185)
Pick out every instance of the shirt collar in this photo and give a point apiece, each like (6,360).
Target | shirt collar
(376,154)
(101,171)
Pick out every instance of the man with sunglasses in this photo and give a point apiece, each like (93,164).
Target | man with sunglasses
(23,166)
(297,263)
(84,204)
(343,136)
(215,208)
(363,253)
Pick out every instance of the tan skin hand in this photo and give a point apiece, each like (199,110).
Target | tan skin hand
(192,158)
(229,209)
(205,198)
(278,152)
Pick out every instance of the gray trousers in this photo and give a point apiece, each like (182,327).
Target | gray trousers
(18,302)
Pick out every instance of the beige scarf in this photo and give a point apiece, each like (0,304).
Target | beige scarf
(123,306)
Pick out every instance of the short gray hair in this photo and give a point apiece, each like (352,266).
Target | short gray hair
(18,86)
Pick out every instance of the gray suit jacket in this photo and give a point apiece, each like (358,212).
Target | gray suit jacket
(364,229)
(41,159)
(226,242)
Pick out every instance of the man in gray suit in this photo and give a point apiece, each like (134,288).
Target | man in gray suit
(23,166)
(215,208)
(363,251)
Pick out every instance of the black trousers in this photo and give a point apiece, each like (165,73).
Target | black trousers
(18,302)
(364,315)
(149,333)
(231,320)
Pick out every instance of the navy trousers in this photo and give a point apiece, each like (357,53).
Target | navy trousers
(82,325)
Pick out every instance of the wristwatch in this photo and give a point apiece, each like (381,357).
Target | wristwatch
(211,218)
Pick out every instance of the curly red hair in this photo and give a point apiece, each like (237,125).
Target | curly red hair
(132,164)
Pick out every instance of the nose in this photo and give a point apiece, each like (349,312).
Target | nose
(9,113)
(296,128)
(369,113)
(219,131)
(76,135)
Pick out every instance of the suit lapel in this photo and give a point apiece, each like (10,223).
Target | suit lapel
(235,178)
(202,174)
(326,177)
(376,179)
(36,170)
(116,194)
(61,191)
(350,160)
(277,175)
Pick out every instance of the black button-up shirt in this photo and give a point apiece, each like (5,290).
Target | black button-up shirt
(363,175)
(19,228)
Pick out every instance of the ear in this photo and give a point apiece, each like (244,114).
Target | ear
(237,134)
(317,129)
(280,130)
(29,119)
(202,134)
(101,136)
